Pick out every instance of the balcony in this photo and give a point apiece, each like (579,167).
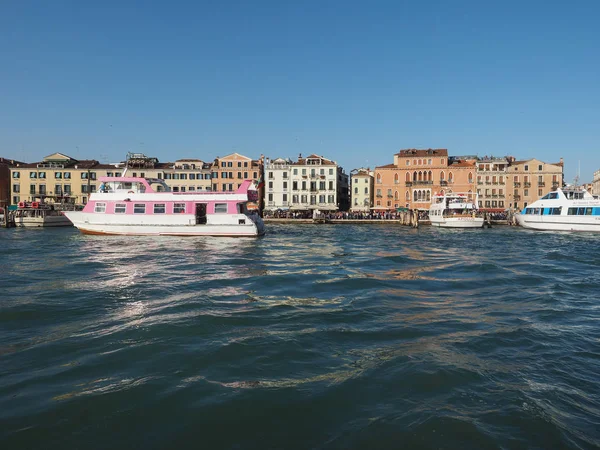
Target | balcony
(541,184)
(408,183)
(443,183)
(422,182)
(517,184)
(526,184)
(379,196)
(517,197)
(480,182)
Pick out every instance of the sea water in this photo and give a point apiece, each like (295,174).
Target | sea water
(315,336)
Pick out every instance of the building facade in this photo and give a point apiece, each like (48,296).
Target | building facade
(311,183)
(528,180)
(187,175)
(492,191)
(361,190)
(278,189)
(58,178)
(416,175)
(230,171)
(596,183)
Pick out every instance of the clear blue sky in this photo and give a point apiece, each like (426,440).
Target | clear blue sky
(352,81)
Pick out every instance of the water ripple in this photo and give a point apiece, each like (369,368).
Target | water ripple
(311,337)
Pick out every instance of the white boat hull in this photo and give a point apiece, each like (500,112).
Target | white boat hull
(559,223)
(462,222)
(180,225)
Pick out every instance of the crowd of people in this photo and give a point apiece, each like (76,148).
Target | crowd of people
(340,215)
(372,215)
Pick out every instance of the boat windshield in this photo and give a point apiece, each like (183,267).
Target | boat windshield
(122,186)
(550,196)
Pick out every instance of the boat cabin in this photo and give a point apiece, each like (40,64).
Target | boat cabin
(115,185)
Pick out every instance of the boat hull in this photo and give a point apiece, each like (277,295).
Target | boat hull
(48,221)
(179,226)
(463,222)
(559,223)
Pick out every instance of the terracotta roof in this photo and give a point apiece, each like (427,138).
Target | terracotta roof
(462,164)
(420,152)
(387,166)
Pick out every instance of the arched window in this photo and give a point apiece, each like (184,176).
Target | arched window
(415,196)
(408,177)
(378,178)
(415,175)
(407,196)
(450,177)
(396,195)
(420,176)
(428,196)
(396,178)
(471,177)
(442,176)
(430,175)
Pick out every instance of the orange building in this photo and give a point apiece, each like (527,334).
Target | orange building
(416,175)
(230,171)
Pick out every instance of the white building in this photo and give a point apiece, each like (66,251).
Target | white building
(361,187)
(311,183)
(277,184)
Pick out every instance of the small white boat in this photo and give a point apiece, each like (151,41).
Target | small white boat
(148,207)
(569,209)
(455,210)
(37,214)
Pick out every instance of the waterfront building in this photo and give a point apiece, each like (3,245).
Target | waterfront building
(317,183)
(415,175)
(596,183)
(491,183)
(5,180)
(278,189)
(528,180)
(230,171)
(361,190)
(58,178)
(186,175)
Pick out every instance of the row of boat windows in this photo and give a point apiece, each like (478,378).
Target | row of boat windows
(586,211)
(157,208)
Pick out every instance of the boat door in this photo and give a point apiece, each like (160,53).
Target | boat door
(200,213)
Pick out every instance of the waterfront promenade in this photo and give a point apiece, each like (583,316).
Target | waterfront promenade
(272,220)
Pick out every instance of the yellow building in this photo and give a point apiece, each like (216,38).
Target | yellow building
(186,175)
(361,190)
(492,190)
(58,178)
(528,180)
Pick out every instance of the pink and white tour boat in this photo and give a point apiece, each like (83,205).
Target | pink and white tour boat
(147,206)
